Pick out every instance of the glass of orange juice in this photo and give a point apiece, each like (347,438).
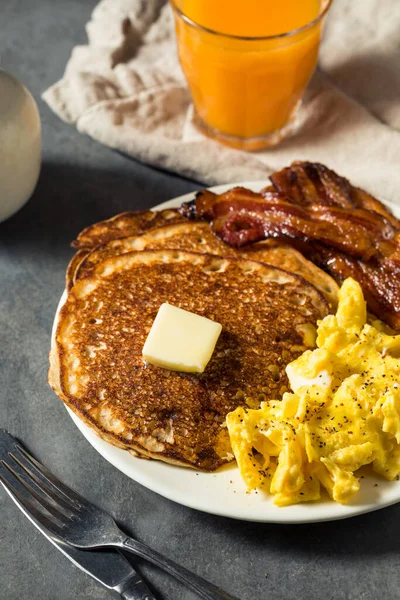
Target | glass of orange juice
(247,64)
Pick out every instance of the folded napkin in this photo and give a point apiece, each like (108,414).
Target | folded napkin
(125,89)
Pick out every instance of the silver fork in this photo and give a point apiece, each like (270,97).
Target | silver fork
(75,521)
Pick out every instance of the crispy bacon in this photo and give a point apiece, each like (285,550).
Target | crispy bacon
(313,184)
(343,229)
(241,216)
(380,285)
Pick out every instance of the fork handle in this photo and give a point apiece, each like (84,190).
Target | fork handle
(206,590)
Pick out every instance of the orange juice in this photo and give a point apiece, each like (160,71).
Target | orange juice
(251,18)
(245,75)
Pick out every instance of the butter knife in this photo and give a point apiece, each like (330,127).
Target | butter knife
(110,568)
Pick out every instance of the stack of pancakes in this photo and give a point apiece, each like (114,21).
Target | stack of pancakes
(267,297)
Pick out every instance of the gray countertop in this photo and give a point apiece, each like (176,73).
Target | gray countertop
(82,182)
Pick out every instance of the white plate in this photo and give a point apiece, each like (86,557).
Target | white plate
(224,493)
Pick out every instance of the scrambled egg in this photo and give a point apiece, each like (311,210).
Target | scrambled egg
(344,413)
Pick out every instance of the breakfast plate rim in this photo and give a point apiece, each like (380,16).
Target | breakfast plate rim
(223,493)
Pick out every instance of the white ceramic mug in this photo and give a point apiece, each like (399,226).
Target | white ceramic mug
(20,145)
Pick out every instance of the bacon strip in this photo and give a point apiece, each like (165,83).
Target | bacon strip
(313,184)
(380,285)
(240,217)
(341,228)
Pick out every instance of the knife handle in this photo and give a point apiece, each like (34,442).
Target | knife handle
(202,587)
(137,590)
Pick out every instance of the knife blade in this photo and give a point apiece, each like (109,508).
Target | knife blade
(108,567)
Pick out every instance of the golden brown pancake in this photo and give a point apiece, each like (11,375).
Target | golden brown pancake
(127,223)
(196,236)
(73,267)
(281,254)
(96,360)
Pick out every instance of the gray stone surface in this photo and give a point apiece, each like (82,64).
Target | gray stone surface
(82,182)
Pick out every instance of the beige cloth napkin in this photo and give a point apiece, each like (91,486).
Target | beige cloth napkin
(126,90)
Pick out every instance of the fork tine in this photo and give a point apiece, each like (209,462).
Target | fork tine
(49,505)
(51,492)
(53,480)
(30,508)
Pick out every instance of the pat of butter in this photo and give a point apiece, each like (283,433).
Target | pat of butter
(180,340)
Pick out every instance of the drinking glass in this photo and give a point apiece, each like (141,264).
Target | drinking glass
(247,90)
